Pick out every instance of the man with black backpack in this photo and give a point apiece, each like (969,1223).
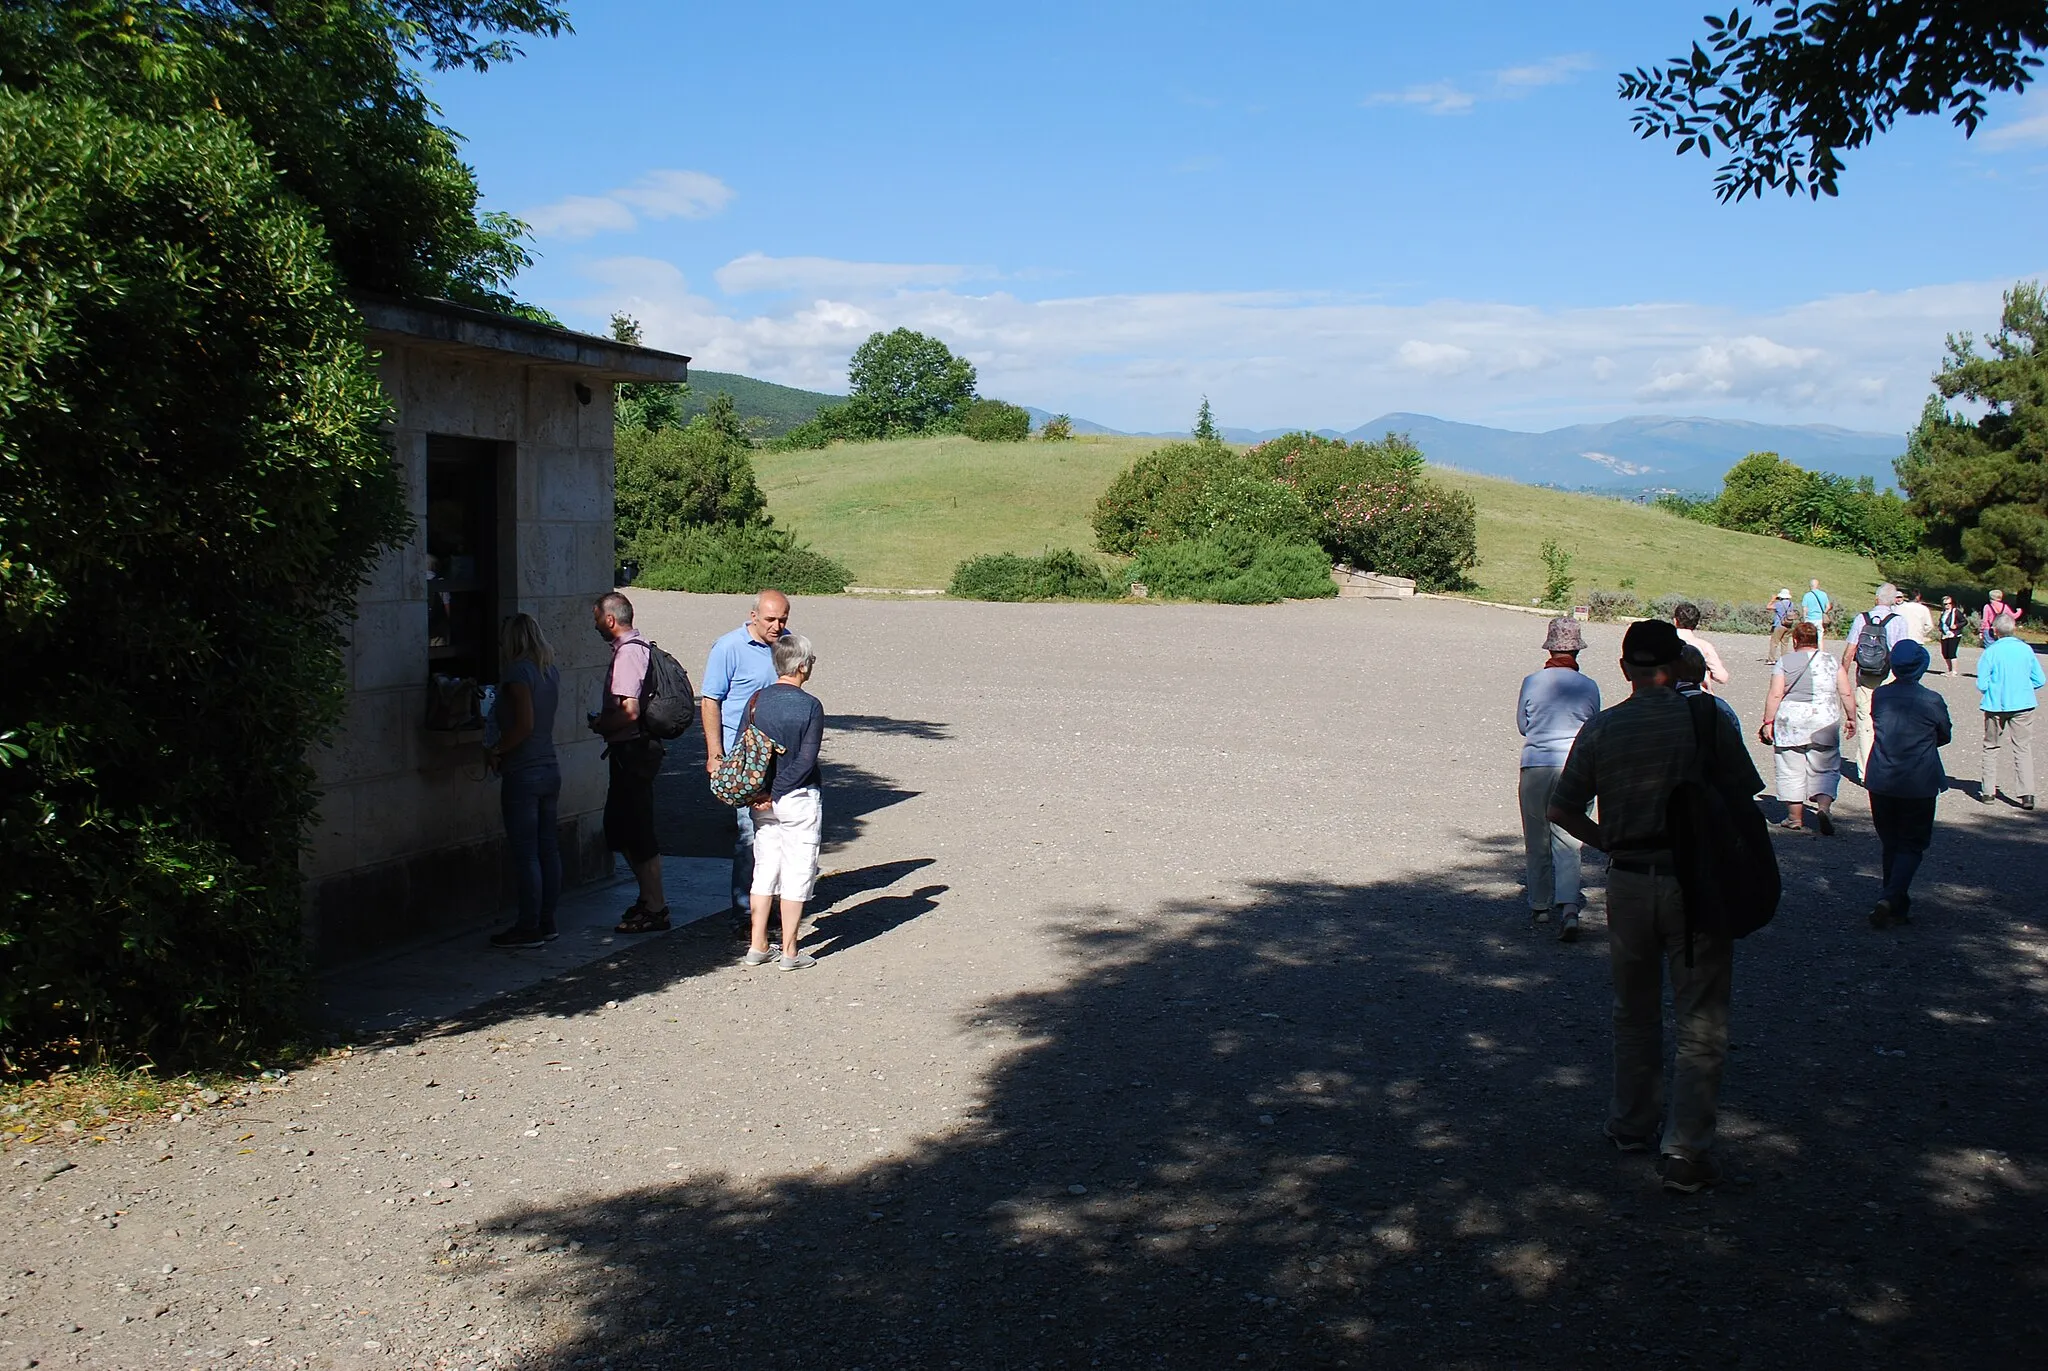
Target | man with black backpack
(1632,758)
(1866,662)
(635,758)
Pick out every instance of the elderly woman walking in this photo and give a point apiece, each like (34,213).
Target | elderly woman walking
(1803,725)
(1555,703)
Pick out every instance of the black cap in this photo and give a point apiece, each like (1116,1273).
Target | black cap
(1653,642)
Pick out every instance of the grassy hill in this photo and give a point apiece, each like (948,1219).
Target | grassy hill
(775,409)
(905,513)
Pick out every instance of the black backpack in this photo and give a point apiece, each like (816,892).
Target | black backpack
(1721,844)
(667,704)
(1873,652)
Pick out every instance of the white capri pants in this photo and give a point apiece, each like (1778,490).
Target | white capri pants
(786,845)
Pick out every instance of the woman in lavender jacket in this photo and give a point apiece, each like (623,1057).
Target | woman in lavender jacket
(1555,702)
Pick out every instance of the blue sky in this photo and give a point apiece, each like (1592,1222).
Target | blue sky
(1313,213)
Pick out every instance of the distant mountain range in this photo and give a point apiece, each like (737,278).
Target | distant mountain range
(1627,456)
(1644,453)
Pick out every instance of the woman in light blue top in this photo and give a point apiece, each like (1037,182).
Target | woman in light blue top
(524,756)
(1555,703)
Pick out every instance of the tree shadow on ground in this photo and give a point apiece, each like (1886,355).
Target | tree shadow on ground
(922,729)
(690,821)
(1305,1124)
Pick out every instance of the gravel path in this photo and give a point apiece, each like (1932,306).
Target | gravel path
(1176,1007)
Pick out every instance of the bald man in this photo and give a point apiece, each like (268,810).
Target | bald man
(741,662)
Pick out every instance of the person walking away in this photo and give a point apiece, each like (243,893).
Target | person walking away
(1866,661)
(1803,725)
(530,778)
(1687,618)
(1993,607)
(1781,625)
(1919,620)
(1950,627)
(2008,674)
(789,821)
(635,761)
(1555,702)
(1906,778)
(1629,757)
(741,663)
(1814,606)
(1690,679)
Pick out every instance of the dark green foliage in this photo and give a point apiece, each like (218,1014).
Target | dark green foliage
(1372,507)
(648,405)
(733,559)
(1784,96)
(904,383)
(326,88)
(1058,429)
(1184,490)
(767,410)
(1234,566)
(1059,574)
(1982,488)
(1764,493)
(993,421)
(192,485)
(1205,425)
(669,478)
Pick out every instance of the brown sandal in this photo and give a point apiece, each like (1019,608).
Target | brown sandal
(641,920)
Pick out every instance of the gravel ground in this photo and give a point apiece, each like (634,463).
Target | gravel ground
(1177,1006)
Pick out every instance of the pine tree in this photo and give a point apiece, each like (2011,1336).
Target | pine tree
(1205,424)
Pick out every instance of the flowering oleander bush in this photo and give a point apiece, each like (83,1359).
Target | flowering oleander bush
(1372,506)
(1185,490)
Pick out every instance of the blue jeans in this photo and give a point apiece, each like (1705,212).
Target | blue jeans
(743,859)
(528,800)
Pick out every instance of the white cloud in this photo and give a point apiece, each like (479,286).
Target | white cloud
(1272,359)
(1509,83)
(1749,367)
(1435,359)
(2029,130)
(657,195)
(755,272)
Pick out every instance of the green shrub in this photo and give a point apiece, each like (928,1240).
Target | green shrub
(1058,574)
(1716,616)
(994,421)
(1557,578)
(1058,429)
(734,559)
(1234,566)
(1184,490)
(1372,507)
(669,478)
(192,486)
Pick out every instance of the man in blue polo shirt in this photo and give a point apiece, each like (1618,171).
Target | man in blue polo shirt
(741,662)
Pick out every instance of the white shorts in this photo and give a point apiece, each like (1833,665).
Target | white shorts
(786,845)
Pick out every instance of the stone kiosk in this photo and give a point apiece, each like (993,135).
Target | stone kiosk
(503,430)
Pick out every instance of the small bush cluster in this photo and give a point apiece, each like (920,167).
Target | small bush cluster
(994,421)
(667,478)
(1371,506)
(1058,574)
(1185,490)
(731,559)
(1718,616)
(1058,429)
(1234,566)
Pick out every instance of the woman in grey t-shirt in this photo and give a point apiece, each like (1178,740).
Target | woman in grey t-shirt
(524,757)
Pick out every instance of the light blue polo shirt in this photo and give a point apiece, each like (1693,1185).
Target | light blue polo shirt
(738,666)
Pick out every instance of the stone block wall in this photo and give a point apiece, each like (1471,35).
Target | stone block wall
(409,838)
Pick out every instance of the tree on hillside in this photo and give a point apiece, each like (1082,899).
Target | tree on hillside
(1982,487)
(904,382)
(1783,97)
(1205,424)
(647,405)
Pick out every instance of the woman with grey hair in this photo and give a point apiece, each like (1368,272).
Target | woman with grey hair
(1555,703)
(789,819)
